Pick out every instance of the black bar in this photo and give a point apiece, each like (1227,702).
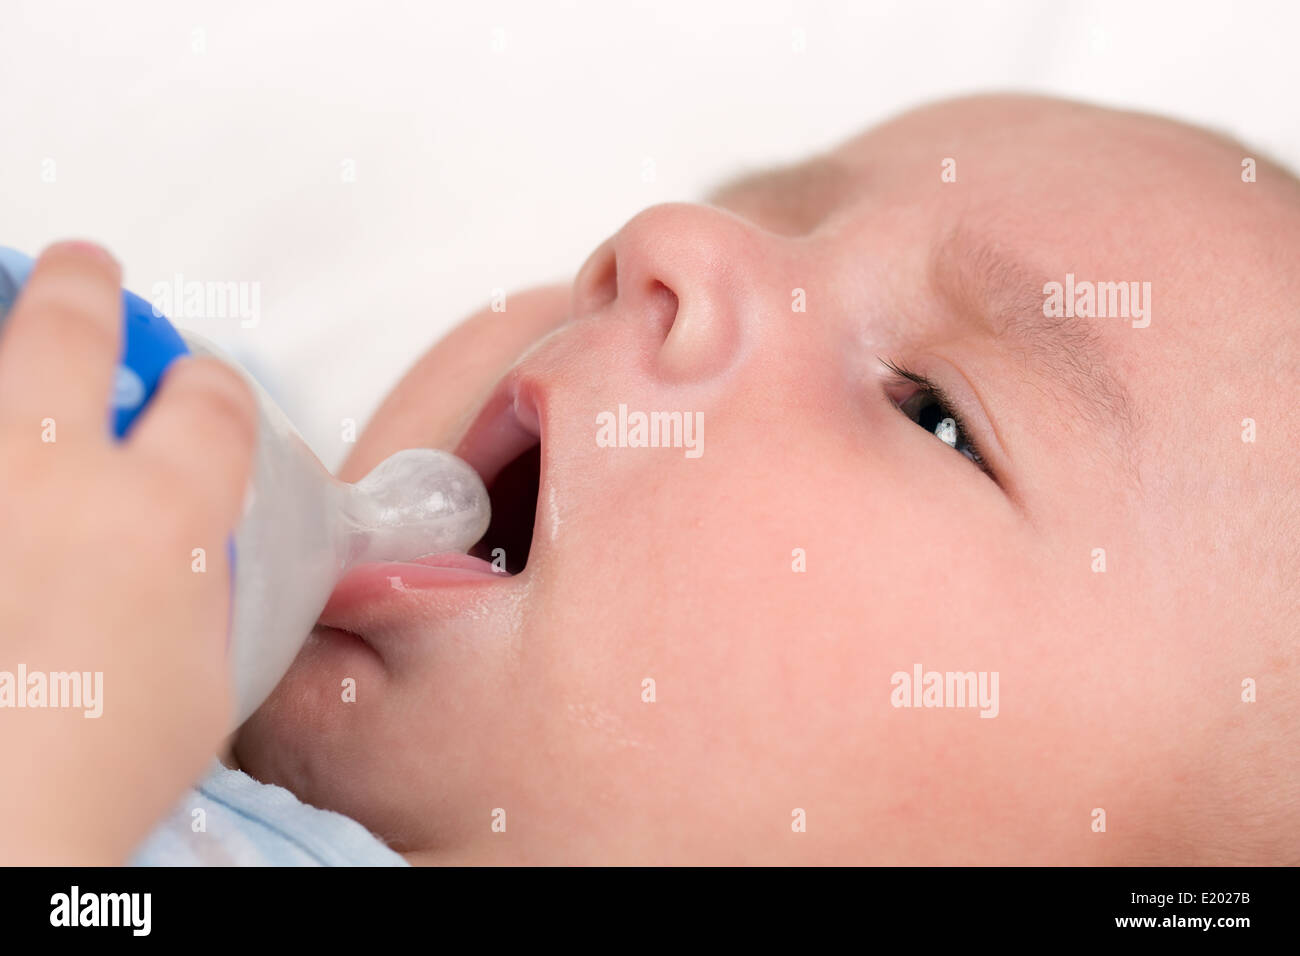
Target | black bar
(925,905)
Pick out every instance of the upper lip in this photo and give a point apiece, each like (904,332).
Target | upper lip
(505,444)
(509,423)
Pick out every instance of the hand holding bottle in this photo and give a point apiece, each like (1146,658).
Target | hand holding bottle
(113,562)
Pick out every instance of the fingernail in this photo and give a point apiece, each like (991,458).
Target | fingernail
(84,247)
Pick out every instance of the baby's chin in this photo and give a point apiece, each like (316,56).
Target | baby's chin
(296,740)
(356,758)
(274,745)
(273,748)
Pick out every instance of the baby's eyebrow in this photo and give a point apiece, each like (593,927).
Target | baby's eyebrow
(993,287)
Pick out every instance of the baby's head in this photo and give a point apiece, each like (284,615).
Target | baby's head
(1076,485)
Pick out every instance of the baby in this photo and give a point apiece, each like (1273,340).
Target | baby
(932,501)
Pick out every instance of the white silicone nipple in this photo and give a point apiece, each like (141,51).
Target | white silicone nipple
(419,501)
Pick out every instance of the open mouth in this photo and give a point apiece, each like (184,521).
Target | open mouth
(513,494)
(505,448)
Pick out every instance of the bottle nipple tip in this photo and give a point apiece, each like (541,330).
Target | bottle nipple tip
(419,501)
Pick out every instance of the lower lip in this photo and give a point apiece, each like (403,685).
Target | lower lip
(370,582)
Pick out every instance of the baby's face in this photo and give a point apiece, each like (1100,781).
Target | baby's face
(702,647)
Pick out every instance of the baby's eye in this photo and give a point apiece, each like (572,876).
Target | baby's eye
(925,403)
(927,408)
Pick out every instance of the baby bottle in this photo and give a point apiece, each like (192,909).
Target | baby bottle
(302,528)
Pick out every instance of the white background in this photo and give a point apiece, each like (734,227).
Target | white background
(495,144)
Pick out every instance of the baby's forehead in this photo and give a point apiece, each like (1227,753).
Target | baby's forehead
(995,143)
(1074,186)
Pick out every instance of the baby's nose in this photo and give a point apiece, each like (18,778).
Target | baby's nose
(688,273)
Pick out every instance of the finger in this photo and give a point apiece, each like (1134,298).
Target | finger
(201,426)
(63,339)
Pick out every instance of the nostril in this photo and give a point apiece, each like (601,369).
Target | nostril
(662,305)
(596,284)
